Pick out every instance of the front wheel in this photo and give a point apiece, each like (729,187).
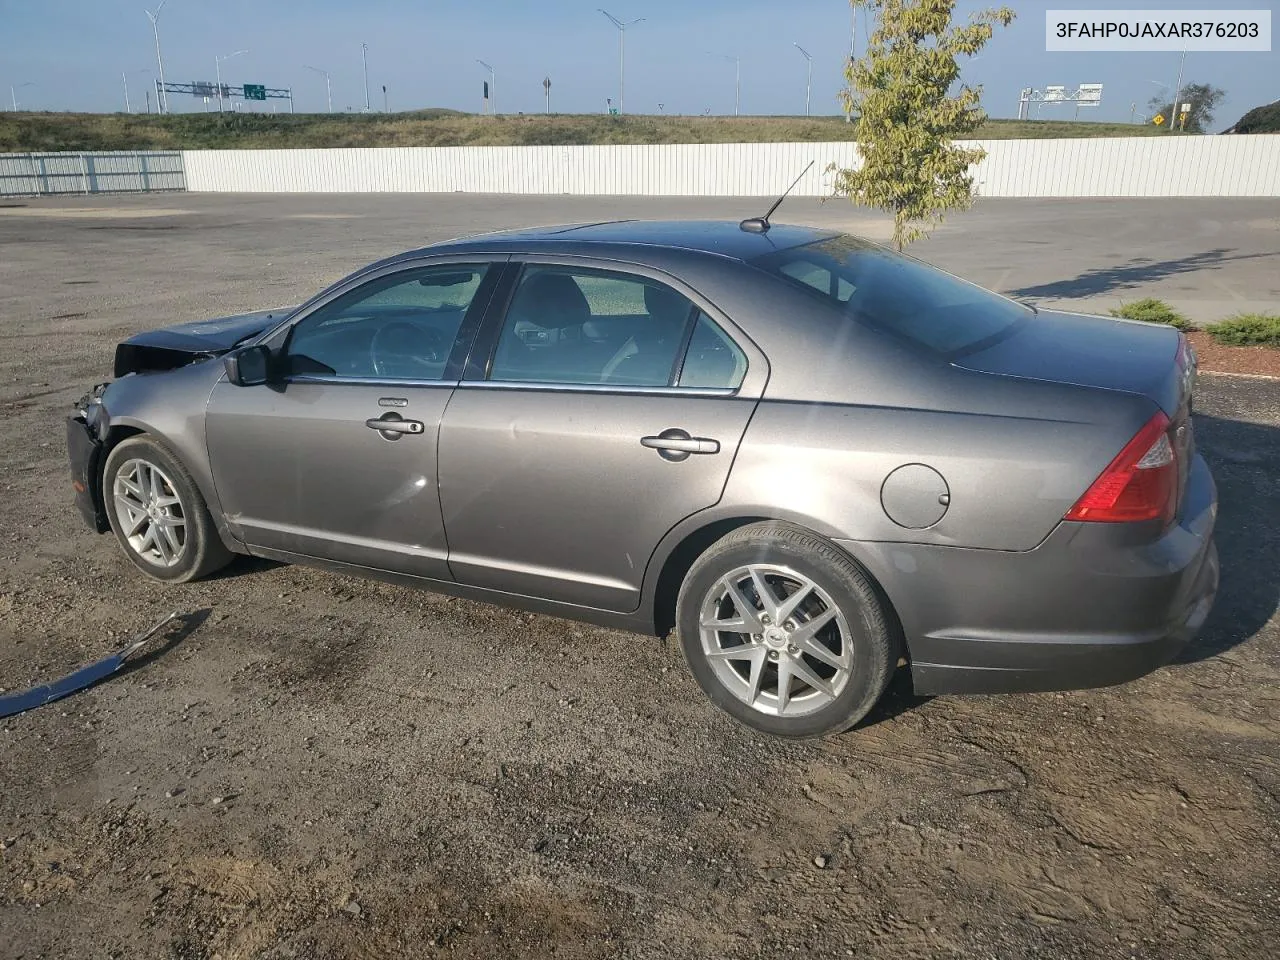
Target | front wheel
(785,632)
(158,515)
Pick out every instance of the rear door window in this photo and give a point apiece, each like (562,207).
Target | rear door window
(900,295)
(574,325)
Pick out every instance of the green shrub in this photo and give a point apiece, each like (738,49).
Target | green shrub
(1265,119)
(1248,330)
(1153,311)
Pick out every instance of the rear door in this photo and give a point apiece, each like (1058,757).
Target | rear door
(602,407)
(336,458)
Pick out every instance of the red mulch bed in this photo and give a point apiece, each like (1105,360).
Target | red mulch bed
(1219,359)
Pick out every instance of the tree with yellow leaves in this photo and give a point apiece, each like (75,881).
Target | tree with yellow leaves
(907,121)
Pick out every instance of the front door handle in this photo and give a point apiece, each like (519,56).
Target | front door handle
(392,426)
(676,445)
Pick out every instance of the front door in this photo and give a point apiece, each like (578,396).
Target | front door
(610,410)
(336,458)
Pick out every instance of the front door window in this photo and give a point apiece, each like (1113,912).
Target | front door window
(400,327)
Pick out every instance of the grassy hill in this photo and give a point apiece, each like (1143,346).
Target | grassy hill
(1264,119)
(25,131)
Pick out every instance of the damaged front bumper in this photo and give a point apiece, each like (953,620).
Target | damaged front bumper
(84,448)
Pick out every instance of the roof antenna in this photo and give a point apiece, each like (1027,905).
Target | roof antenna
(761,224)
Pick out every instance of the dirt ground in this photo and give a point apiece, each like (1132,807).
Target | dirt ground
(322,767)
(1255,361)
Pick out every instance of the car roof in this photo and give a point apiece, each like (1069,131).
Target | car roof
(720,237)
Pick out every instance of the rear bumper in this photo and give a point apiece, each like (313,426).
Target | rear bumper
(1092,606)
(1063,662)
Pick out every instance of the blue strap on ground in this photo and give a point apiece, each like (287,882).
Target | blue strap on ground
(47,693)
(87,676)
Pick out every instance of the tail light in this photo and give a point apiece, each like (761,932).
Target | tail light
(1141,483)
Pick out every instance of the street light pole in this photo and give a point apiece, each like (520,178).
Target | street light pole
(493,90)
(328,88)
(124,75)
(1177,89)
(737,83)
(161,96)
(737,78)
(13,96)
(622,51)
(808,80)
(364,59)
(853,56)
(217,69)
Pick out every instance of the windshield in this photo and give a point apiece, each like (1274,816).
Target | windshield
(902,296)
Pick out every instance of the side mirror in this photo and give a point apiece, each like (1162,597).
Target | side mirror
(248,366)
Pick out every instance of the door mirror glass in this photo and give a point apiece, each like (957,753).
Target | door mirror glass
(248,366)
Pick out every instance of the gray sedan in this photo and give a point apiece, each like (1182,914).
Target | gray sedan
(814,459)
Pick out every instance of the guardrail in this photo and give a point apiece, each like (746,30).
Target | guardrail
(39,174)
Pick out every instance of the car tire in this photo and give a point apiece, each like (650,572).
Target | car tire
(743,671)
(146,489)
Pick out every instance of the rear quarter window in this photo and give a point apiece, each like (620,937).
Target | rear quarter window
(904,297)
(712,359)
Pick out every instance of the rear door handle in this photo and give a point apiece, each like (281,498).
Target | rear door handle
(392,426)
(676,445)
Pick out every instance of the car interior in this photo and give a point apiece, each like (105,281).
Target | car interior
(622,330)
(556,333)
(402,331)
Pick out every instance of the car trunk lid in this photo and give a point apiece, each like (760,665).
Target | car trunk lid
(1089,351)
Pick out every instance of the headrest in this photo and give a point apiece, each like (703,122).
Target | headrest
(551,300)
(665,305)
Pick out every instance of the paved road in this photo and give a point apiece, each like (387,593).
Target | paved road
(333,768)
(209,253)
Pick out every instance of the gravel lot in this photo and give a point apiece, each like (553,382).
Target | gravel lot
(319,767)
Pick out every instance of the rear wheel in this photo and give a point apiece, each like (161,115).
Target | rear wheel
(158,515)
(785,632)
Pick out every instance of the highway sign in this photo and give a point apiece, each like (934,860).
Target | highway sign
(255,91)
(1089,94)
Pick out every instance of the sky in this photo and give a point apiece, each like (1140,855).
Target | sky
(69,55)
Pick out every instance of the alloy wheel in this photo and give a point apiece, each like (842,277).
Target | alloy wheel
(776,640)
(149,513)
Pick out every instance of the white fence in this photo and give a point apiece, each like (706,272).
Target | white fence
(1221,166)
(24,174)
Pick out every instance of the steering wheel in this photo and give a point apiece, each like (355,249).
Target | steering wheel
(403,349)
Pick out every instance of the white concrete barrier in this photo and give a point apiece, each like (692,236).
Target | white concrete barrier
(1172,166)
